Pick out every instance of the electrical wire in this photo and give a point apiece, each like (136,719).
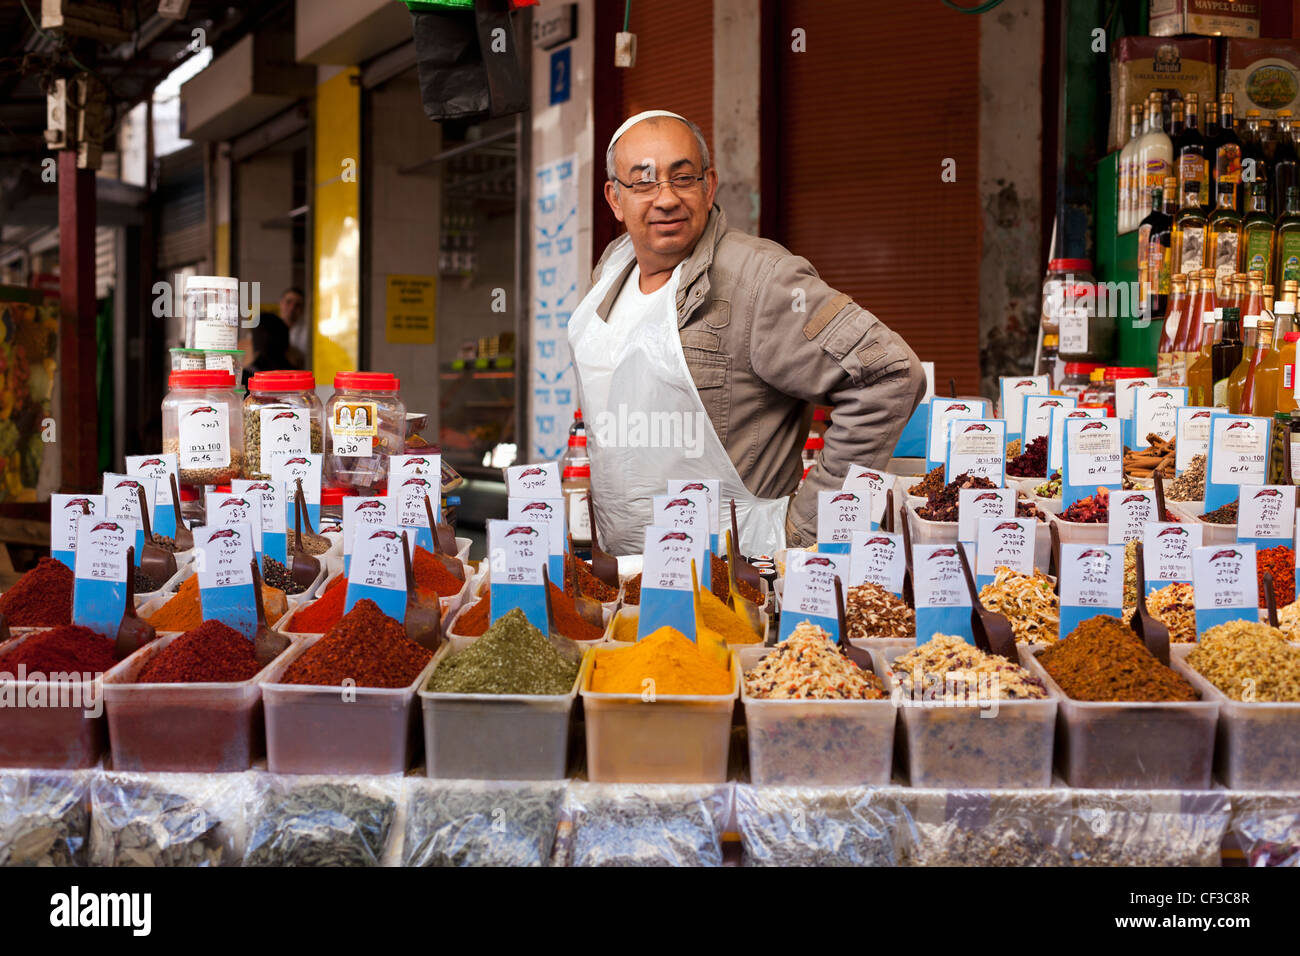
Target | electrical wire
(627,14)
(979,8)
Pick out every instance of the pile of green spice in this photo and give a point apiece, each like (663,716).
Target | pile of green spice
(1103,660)
(512,657)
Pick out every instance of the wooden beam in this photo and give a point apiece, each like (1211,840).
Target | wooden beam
(78,425)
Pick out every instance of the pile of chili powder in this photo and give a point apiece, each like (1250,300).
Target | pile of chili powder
(210,653)
(41,598)
(366,646)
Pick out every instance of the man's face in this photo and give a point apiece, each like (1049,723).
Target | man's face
(290,307)
(665,225)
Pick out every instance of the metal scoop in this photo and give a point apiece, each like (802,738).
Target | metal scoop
(1270,599)
(746,573)
(303,567)
(1154,634)
(604,566)
(268,644)
(857,655)
(155,560)
(184,539)
(992,631)
(423,621)
(132,633)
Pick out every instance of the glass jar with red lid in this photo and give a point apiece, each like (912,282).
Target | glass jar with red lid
(1115,374)
(365,425)
(203,423)
(282,413)
(1077,378)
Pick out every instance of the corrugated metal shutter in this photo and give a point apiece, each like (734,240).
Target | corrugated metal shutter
(883,94)
(674,61)
(182,226)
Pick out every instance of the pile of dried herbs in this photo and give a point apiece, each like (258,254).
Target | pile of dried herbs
(319,824)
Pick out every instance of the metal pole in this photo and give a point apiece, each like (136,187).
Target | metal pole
(78,426)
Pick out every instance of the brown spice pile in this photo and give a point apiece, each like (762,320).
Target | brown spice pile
(1103,660)
(872,612)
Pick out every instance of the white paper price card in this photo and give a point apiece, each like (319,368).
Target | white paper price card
(976,503)
(1095,584)
(224,509)
(203,431)
(839,514)
(1225,586)
(518,551)
(161,468)
(941,411)
(365,512)
(1093,458)
(65,511)
(1004,543)
(810,590)
(408,495)
(101,549)
(122,495)
(1266,514)
(285,430)
(1126,391)
(877,557)
(1037,414)
(1130,512)
(711,488)
(1056,432)
(878,483)
(377,559)
(579,516)
(1167,549)
(425,466)
(668,556)
(977,448)
(1011,392)
(937,576)
(1193,424)
(289,468)
(684,512)
(1238,452)
(1073,325)
(534,481)
(270,498)
(543,512)
(225,555)
(1155,411)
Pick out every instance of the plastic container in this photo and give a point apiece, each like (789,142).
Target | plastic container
(1078,375)
(365,424)
(1132,745)
(52,737)
(1070,312)
(1080,532)
(203,423)
(224,360)
(958,747)
(1113,378)
(679,738)
(1061,274)
(318,729)
(270,395)
(212,312)
(1258,745)
(185,360)
(819,742)
(185,728)
(496,736)
(1211,533)
(931,532)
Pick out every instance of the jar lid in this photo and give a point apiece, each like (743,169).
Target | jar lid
(332,497)
(188,493)
(225,283)
(1291,337)
(201,378)
(1126,371)
(221,489)
(282,382)
(577,471)
(814,442)
(1051,341)
(1070,265)
(367,381)
(1080,368)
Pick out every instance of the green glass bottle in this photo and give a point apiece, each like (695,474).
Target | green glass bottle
(1258,235)
(1286,241)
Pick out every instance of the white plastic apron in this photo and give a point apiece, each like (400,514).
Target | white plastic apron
(647,425)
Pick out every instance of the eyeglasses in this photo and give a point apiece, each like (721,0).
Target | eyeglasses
(645,188)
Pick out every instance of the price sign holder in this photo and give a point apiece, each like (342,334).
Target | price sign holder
(667,599)
(1239,447)
(225,574)
(517,552)
(379,574)
(103,565)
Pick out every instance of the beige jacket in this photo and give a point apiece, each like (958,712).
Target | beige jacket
(765,339)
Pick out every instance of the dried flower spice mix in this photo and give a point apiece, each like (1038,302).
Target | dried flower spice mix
(809,666)
(1248,661)
(872,612)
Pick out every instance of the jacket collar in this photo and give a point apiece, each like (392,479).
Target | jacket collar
(694,271)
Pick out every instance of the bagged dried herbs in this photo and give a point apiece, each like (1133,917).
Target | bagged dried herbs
(44,818)
(308,821)
(1141,828)
(982,828)
(652,825)
(787,826)
(480,823)
(166,819)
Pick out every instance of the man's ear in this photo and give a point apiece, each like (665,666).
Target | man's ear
(611,197)
(711,183)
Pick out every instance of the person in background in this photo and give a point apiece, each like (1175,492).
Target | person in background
(269,347)
(293,313)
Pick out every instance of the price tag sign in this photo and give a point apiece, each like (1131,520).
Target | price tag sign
(1226,589)
(518,551)
(99,583)
(878,557)
(839,514)
(225,573)
(548,513)
(976,503)
(1167,549)
(1093,458)
(1094,586)
(1126,391)
(1056,433)
(1012,390)
(877,483)
(534,481)
(579,516)
(161,468)
(270,498)
(942,600)
(285,431)
(810,591)
(65,513)
(1130,512)
(941,411)
(379,571)
(122,501)
(711,489)
(375,511)
(1073,326)
(1155,411)
(1037,414)
(287,469)
(224,510)
(667,598)
(978,448)
(1238,456)
(1193,424)
(686,512)
(1004,543)
(1266,515)
(408,495)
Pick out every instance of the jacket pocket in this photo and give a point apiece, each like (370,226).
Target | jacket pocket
(711,373)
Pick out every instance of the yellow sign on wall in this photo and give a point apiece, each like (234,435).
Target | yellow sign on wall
(410,309)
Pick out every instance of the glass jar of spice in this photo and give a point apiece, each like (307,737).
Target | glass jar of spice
(366,423)
(203,423)
(281,414)
(1078,376)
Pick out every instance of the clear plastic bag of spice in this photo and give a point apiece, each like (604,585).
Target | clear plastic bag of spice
(643,825)
(323,821)
(44,817)
(986,828)
(480,822)
(168,819)
(799,826)
(1147,828)
(1266,827)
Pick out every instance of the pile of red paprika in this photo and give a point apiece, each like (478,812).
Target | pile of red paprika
(67,649)
(210,653)
(1281,562)
(367,647)
(41,598)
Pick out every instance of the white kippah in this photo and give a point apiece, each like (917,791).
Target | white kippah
(633,120)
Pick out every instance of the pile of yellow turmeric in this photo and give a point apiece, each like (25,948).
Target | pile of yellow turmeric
(720,622)
(665,662)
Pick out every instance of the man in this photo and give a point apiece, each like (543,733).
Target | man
(291,311)
(762,338)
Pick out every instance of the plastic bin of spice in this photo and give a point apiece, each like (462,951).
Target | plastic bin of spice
(317,729)
(495,736)
(633,611)
(183,728)
(819,742)
(1211,533)
(1133,745)
(1258,744)
(676,738)
(971,746)
(59,733)
(1080,532)
(931,532)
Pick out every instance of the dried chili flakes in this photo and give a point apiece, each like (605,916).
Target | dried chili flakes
(1279,561)
(1032,462)
(366,646)
(1093,509)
